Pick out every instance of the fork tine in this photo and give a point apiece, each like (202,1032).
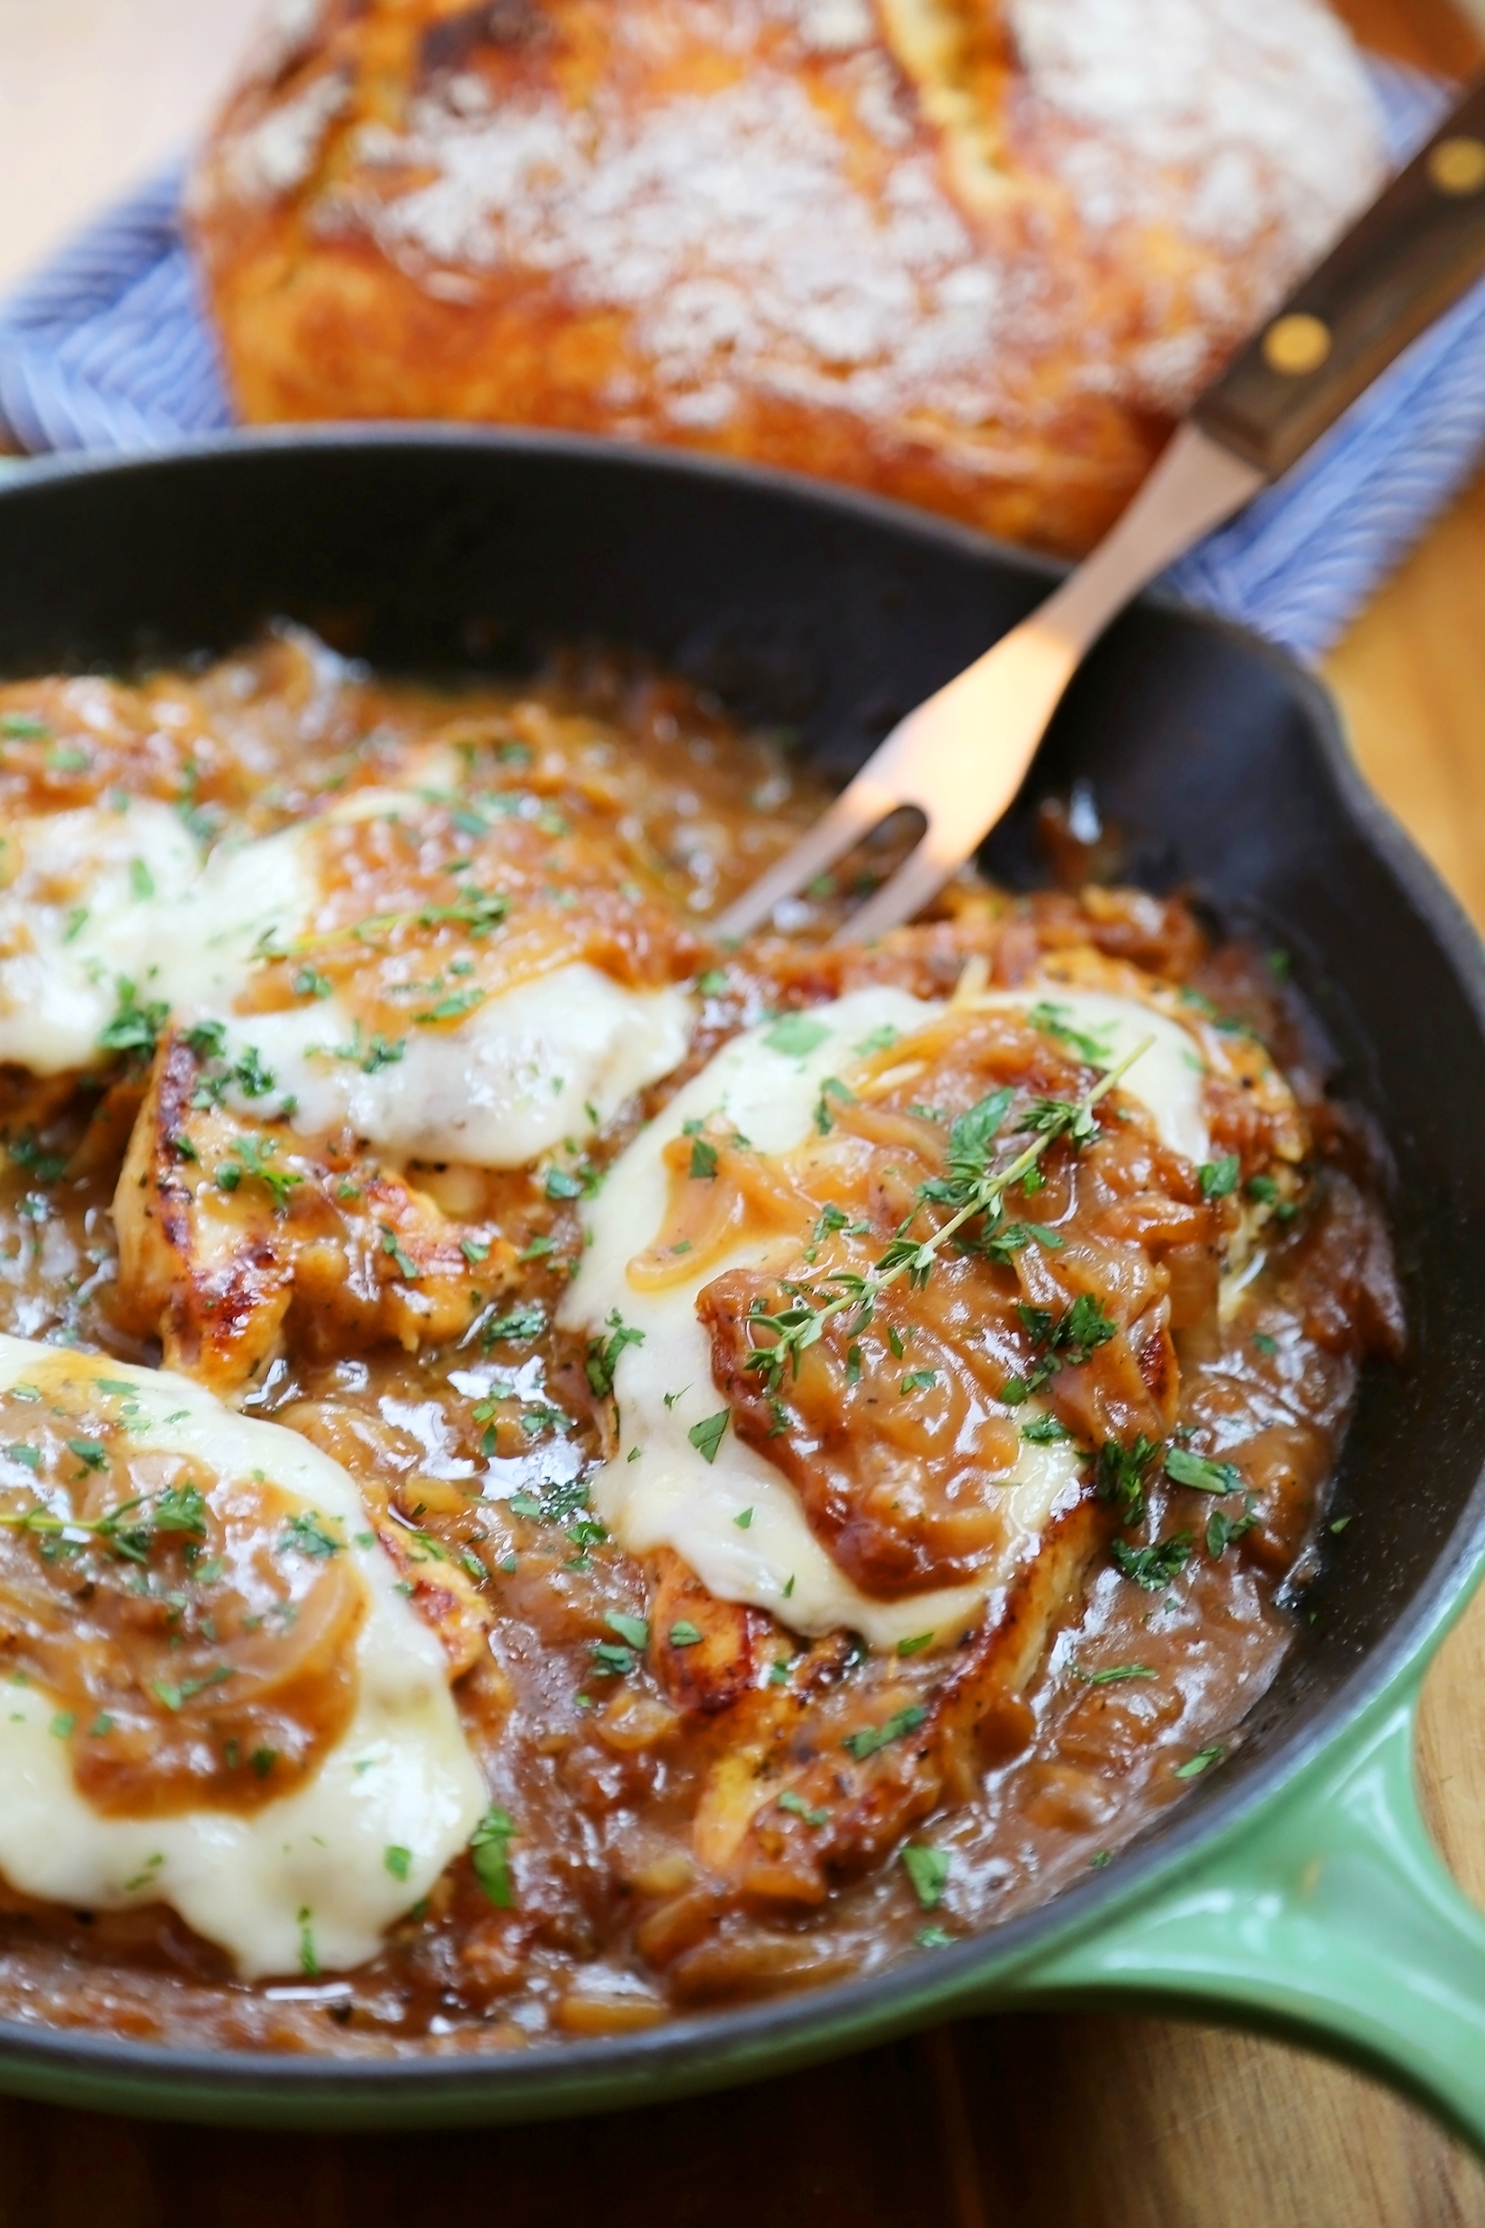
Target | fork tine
(920,877)
(962,755)
(855,812)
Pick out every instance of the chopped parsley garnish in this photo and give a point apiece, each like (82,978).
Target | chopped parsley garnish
(929,1870)
(479,911)
(1223,1529)
(1153,1567)
(1200,1761)
(703,1160)
(1199,1472)
(381,1052)
(797,1807)
(796,1035)
(392,1246)
(1113,1674)
(398,1861)
(175,1697)
(27,1153)
(453,1007)
(309,1963)
(634,1630)
(610,1659)
(683,1634)
(307,1534)
(831,1088)
(249,1163)
(707,1435)
(251,1077)
(870,1738)
(521,1322)
(1121,1473)
(1218,1177)
(489,1853)
(135,1027)
(603,1353)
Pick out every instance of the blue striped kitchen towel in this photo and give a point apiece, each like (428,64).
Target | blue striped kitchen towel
(108,348)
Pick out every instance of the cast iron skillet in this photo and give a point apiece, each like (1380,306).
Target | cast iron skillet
(1295,1888)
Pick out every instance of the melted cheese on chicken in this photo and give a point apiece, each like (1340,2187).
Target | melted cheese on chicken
(1167,1076)
(446,1068)
(489,1078)
(736,1520)
(80,912)
(312,1879)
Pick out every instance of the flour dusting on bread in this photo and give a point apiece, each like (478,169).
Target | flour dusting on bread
(975,256)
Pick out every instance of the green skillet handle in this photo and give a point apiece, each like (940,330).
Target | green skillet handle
(1329,1918)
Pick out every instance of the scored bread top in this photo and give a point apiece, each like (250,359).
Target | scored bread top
(975,254)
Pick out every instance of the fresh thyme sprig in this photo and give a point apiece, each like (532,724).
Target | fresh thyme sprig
(479,911)
(968,1186)
(179,1509)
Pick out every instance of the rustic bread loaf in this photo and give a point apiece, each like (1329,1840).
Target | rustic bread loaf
(976,254)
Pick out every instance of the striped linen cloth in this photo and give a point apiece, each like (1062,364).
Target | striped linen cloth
(108,348)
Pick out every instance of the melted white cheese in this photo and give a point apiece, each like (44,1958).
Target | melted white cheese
(311,1868)
(669,1495)
(79,913)
(506,1083)
(1167,1079)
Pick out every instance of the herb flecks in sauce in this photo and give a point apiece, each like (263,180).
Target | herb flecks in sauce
(680,1787)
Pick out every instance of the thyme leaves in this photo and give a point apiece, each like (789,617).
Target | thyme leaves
(971,1188)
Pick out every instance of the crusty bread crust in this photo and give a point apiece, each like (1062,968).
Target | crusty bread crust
(974,254)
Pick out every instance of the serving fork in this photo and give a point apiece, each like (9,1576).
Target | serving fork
(961,756)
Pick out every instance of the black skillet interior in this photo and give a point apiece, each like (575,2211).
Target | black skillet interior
(832,614)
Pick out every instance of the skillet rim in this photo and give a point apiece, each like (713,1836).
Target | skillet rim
(715,2049)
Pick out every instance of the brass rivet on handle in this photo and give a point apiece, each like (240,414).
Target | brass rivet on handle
(1296,344)
(1458,165)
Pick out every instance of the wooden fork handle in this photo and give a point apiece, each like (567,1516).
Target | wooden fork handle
(1416,250)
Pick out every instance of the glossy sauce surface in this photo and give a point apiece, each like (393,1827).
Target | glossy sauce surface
(691,1801)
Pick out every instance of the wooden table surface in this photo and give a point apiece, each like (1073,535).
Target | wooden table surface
(1042,2121)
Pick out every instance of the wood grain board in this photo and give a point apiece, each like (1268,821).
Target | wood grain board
(1041,2121)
